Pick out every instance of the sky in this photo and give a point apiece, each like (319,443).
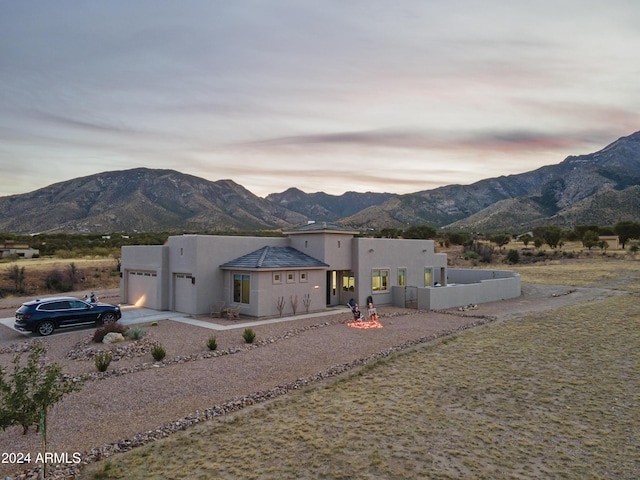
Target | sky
(333,95)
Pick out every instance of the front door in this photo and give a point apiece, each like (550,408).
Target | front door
(333,296)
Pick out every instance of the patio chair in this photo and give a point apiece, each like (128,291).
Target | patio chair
(233,313)
(217,309)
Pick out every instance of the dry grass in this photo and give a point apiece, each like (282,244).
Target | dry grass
(550,395)
(599,271)
(92,273)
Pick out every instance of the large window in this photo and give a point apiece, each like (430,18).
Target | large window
(241,287)
(402,275)
(380,280)
(348,281)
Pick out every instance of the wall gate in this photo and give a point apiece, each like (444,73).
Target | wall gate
(411,297)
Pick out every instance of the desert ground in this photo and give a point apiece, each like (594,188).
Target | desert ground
(542,386)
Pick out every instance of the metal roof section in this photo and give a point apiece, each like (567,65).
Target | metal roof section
(269,258)
(321,227)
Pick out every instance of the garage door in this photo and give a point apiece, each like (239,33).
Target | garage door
(142,289)
(183,293)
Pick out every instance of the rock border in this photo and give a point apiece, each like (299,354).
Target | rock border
(68,472)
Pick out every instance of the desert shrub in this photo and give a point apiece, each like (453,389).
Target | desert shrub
(55,281)
(471,255)
(212,343)
(513,256)
(135,333)
(154,324)
(249,335)
(158,352)
(102,360)
(100,332)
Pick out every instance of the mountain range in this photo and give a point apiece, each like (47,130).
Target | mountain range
(601,188)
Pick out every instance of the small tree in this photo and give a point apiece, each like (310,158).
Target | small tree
(501,240)
(590,239)
(626,231)
(552,235)
(419,232)
(513,256)
(459,238)
(306,301)
(31,391)
(390,232)
(73,275)
(16,274)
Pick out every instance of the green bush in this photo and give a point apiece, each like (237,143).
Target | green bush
(513,256)
(158,352)
(102,360)
(135,333)
(212,342)
(99,334)
(471,255)
(249,335)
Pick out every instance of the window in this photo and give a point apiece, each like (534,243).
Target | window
(348,281)
(79,304)
(277,277)
(303,277)
(52,306)
(427,277)
(380,280)
(241,288)
(291,277)
(402,273)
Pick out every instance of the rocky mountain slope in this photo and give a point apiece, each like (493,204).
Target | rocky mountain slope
(600,188)
(321,206)
(141,200)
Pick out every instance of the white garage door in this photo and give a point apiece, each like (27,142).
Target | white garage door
(142,289)
(183,293)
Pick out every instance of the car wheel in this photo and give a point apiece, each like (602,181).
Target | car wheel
(45,328)
(109,317)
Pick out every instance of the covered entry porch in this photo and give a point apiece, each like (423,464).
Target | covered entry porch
(341,287)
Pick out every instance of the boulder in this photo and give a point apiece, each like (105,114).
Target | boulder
(113,337)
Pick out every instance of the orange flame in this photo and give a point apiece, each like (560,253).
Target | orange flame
(373,323)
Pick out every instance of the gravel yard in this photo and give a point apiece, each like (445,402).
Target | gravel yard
(141,395)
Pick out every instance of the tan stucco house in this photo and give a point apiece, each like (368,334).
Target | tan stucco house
(320,265)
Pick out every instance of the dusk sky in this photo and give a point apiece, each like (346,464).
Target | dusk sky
(333,95)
